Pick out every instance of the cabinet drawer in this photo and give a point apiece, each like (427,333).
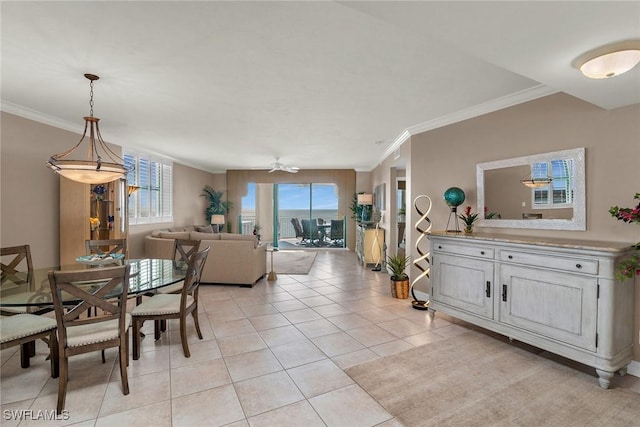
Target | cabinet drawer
(556,262)
(458,249)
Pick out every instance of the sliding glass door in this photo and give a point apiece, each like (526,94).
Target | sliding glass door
(293,216)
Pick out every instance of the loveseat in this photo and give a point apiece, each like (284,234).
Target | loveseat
(233,258)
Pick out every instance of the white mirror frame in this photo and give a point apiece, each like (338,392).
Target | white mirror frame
(579,221)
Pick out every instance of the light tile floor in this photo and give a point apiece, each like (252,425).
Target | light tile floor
(272,355)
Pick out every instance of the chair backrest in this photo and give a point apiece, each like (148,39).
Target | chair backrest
(105,288)
(106,246)
(320,221)
(309,229)
(16,265)
(337,228)
(297,227)
(183,250)
(194,273)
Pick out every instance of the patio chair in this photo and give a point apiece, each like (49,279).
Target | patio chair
(310,232)
(105,288)
(298,229)
(337,232)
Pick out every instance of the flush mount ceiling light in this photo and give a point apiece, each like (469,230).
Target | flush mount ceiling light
(93,169)
(610,60)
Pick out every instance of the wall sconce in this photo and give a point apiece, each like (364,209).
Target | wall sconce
(132,189)
(366,201)
(610,60)
(217,220)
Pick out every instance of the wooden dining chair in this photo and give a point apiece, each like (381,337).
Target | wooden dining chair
(26,328)
(16,265)
(183,250)
(105,288)
(172,306)
(106,246)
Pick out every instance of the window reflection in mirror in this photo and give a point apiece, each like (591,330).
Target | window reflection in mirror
(557,205)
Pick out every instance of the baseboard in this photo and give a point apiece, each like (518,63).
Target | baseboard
(634,368)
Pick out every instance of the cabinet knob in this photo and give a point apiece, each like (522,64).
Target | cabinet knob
(439,247)
(578,265)
(510,257)
(481,252)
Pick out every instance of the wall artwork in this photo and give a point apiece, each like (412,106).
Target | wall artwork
(379,197)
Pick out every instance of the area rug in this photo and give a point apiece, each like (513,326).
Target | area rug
(291,262)
(476,380)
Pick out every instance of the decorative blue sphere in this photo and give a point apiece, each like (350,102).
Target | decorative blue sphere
(454,196)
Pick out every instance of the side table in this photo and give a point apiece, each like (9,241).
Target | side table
(272,276)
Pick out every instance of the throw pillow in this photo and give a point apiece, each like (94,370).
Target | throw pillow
(204,228)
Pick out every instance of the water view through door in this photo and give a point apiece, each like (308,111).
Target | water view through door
(298,215)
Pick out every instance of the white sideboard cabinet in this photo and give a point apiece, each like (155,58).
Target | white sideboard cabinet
(558,295)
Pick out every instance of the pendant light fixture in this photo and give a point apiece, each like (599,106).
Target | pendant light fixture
(100,165)
(539,176)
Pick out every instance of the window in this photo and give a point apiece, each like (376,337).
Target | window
(152,202)
(559,193)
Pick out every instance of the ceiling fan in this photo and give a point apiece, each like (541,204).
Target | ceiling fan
(277,166)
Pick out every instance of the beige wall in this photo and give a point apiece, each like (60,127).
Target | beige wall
(29,202)
(447,157)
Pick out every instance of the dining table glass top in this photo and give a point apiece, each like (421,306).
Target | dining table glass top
(146,276)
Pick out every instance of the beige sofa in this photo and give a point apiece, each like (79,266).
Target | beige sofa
(233,258)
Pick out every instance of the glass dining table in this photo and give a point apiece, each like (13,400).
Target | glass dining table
(21,293)
(34,296)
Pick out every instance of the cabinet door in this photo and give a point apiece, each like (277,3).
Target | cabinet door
(464,283)
(557,305)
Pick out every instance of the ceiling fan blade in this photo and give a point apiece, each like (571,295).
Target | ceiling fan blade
(292,170)
(273,170)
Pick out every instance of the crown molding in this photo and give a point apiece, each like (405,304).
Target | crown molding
(36,116)
(510,100)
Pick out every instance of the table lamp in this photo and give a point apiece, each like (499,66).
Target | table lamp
(217,220)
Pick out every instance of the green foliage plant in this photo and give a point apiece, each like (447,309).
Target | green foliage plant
(396,264)
(216,205)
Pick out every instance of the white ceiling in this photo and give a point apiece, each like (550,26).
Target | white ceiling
(232,85)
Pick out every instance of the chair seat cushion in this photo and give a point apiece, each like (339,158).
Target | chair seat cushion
(23,325)
(160,304)
(95,332)
(172,289)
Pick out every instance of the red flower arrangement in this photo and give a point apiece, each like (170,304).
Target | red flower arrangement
(626,269)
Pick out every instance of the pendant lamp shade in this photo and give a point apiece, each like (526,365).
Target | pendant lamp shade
(100,165)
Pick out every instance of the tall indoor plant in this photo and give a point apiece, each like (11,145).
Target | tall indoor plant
(216,205)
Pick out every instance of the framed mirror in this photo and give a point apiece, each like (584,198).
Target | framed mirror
(540,191)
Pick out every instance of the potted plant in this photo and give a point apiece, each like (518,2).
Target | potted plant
(216,205)
(396,264)
(631,266)
(356,209)
(256,230)
(469,218)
